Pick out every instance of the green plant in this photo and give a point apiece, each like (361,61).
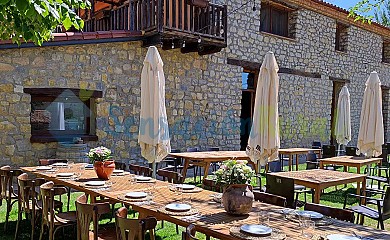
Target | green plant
(99,154)
(234,172)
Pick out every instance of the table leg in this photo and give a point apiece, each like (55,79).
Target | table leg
(185,167)
(358,169)
(364,194)
(206,170)
(317,194)
(290,162)
(321,165)
(296,162)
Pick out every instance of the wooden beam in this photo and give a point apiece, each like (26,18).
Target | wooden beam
(342,80)
(54,92)
(255,66)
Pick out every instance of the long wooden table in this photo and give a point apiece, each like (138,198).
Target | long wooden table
(291,152)
(320,179)
(212,219)
(204,159)
(349,161)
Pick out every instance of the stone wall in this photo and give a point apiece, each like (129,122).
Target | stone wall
(203,93)
(202,97)
(312,51)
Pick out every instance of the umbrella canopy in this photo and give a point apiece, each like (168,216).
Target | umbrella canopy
(371,133)
(153,131)
(343,119)
(263,142)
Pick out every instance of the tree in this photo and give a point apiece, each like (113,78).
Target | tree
(34,20)
(383,16)
(363,9)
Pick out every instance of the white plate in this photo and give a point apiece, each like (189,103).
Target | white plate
(59,165)
(142,178)
(43,168)
(185,186)
(313,215)
(64,175)
(117,171)
(136,195)
(95,183)
(178,207)
(89,166)
(255,229)
(341,237)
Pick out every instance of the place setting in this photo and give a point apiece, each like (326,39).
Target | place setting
(318,218)
(141,179)
(185,188)
(178,209)
(97,185)
(45,169)
(119,172)
(138,197)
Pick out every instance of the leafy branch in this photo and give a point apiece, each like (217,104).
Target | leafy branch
(361,11)
(34,20)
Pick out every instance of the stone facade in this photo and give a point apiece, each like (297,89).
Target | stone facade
(203,93)
(202,99)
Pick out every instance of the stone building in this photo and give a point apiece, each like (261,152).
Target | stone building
(92,79)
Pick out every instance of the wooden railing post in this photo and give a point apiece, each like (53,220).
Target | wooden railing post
(160,15)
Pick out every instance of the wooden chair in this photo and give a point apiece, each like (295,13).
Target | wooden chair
(170,176)
(28,201)
(133,229)
(141,170)
(350,151)
(120,165)
(282,187)
(45,162)
(87,213)
(382,211)
(50,218)
(270,198)
(7,192)
(337,213)
(190,232)
(210,184)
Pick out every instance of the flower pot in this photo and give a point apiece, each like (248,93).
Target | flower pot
(104,169)
(237,199)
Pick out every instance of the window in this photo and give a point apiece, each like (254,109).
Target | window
(277,19)
(61,114)
(248,79)
(386,51)
(341,37)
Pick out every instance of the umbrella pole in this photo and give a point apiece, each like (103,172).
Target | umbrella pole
(154,167)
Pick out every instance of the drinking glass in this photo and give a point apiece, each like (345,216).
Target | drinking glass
(303,218)
(263,217)
(149,197)
(132,178)
(70,163)
(179,191)
(308,229)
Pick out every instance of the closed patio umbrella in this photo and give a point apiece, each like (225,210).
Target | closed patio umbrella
(343,118)
(153,131)
(371,133)
(263,142)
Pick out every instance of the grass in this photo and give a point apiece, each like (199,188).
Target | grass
(331,197)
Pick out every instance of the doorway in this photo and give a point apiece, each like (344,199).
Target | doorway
(249,83)
(337,85)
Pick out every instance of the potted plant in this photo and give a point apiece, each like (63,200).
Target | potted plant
(103,165)
(235,177)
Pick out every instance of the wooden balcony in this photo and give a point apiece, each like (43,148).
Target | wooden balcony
(172,23)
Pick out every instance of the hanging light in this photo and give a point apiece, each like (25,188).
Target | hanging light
(199,40)
(173,44)
(184,44)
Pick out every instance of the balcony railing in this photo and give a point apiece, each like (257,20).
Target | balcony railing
(175,17)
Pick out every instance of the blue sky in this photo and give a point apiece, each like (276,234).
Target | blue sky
(343,3)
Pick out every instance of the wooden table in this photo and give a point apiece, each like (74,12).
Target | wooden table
(291,152)
(349,161)
(320,179)
(204,159)
(212,219)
